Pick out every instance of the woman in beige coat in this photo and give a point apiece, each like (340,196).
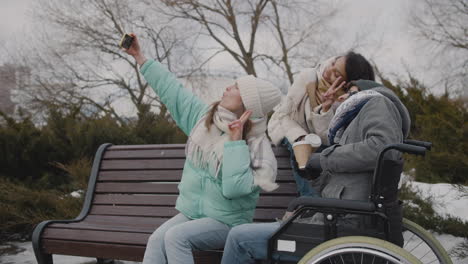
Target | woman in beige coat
(309,105)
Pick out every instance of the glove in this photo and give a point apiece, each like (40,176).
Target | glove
(313,168)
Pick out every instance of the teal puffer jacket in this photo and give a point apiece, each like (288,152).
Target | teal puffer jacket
(232,196)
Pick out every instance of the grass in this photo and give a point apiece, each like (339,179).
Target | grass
(23,206)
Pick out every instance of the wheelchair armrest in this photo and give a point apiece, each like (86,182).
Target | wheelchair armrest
(427,145)
(317,202)
(407,148)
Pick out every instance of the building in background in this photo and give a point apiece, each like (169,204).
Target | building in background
(11,78)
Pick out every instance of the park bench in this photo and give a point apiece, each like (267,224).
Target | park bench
(132,190)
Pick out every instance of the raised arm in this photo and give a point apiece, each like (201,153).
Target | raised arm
(185,108)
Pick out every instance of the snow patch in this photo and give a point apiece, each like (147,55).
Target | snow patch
(77,194)
(448,199)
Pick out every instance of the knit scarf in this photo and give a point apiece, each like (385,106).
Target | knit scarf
(346,113)
(205,146)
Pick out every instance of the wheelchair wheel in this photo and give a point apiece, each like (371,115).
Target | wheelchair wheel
(422,244)
(358,249)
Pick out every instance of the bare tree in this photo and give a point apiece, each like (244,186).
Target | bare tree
(254,31)
(444,23)
(78,62)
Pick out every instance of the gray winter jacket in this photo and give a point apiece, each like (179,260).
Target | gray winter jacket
(348,166)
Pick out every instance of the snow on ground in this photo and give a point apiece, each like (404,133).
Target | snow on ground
(447,199)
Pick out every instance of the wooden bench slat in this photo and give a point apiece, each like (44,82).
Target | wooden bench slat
(260,213)
(155,164)
(135,199)
(143,187)
(149,146)
(278,151)
(284,175)
(113,251)
(123,220)
(99,250)
(171,188)
(134,210)
(110,237)
(108,227)
(145,154)
(159,153)
(150,199)
(140,175)
(142,164)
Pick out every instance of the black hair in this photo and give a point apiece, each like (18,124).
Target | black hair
(358,68)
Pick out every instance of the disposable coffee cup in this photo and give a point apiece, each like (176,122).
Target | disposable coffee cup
(302,149)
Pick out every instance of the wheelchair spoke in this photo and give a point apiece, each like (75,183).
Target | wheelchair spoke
(429,251)
(433,261)
(408,240)
(416,246)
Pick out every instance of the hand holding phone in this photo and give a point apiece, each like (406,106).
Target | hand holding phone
(131,46)
(126,41)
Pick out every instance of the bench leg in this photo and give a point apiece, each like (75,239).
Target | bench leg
(104,261)
(44,258)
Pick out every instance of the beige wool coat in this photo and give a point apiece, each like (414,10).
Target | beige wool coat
(294,116)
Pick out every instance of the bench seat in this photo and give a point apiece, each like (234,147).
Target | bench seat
(132,190)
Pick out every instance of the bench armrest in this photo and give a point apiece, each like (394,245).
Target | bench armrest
(39,228)
(317,202)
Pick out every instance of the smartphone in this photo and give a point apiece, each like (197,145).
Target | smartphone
(126,41)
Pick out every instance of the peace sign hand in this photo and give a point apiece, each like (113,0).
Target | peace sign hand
(236,128)
(329,97)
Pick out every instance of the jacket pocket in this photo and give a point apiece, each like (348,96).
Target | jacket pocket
(333,191)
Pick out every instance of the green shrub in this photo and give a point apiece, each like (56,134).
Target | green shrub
(36,155)
(442,121)
(21,208)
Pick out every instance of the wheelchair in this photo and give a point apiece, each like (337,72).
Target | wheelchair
(372,231)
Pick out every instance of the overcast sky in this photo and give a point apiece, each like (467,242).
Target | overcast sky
(390,44)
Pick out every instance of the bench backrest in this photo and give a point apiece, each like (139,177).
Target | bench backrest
(140,182)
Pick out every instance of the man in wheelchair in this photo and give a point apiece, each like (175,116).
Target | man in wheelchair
(358,194)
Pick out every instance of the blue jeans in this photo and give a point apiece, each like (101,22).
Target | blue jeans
(303,185)
(248,242)
(174,240)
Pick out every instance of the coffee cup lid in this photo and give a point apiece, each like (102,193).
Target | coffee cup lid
(302,142)
(313,140)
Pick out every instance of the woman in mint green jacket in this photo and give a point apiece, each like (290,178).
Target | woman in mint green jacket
(229,159)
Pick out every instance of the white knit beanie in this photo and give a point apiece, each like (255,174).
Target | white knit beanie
(259,96)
